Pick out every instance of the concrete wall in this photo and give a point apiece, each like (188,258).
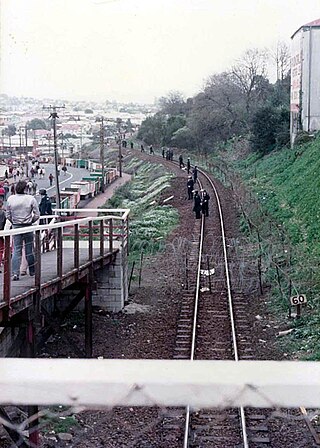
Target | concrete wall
(112,284)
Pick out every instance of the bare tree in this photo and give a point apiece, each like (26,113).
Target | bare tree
(248,72)
(173,103)
(281,56)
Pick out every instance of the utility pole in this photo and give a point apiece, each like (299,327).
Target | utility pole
(54,116)
(102,152)
(26,149)
(120,153)
(49,143)
(62,146)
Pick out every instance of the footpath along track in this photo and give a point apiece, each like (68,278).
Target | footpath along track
(213,325)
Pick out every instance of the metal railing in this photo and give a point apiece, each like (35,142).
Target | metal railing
(67,244)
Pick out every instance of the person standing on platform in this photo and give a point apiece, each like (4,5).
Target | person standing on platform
(197,205)
(45,207)
(151,150)
(131,145)
(6,189)
(190,185)
(205,203)
(22,211)
(2,224)
(163,152)
(2,193)
(34,187)
(181,164)
(142,148)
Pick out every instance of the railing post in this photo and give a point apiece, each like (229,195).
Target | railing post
(76,246)
(110,235)
(88,320)
(127,234)
(59,253)
(7,270)
(90,241)
(32,409)
(101,238)
(37,267)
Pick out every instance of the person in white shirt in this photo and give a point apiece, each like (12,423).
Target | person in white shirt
(22,211)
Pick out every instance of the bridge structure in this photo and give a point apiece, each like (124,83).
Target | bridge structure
(69,251)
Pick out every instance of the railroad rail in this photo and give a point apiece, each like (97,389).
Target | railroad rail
(199,336)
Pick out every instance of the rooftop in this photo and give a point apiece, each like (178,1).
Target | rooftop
(314,23)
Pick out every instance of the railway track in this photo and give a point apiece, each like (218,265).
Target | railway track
(213,325)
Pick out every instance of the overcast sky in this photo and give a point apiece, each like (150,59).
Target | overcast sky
(134,50)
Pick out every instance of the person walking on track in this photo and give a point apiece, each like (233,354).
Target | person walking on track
(197,205)
(190,185)
(188,165)
(205,203)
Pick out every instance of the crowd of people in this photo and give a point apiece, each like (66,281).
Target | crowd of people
(200,200)
(19,209)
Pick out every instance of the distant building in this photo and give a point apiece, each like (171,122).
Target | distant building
(305,79)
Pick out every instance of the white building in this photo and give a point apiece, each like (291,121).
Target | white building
(305,79)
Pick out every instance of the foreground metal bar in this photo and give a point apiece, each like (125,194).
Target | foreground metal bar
(201,384)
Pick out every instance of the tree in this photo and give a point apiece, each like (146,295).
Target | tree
(281,57)
(172,104)
(183,138)
(172,124)
(270,128)
(129,126)
(10,131)
(152,130)
(36,123)
(88,111)
(247,74)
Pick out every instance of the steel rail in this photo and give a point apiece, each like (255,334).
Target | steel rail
(195,317)
(230,301)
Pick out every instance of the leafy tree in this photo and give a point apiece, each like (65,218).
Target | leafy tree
(129,126)
(183,138)
(171,126)
(88,111)
(270,128)
(36,123)
(10,130)
(152,130)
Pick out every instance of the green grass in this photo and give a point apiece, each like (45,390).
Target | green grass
(150,223)
(286,184)
(58,423)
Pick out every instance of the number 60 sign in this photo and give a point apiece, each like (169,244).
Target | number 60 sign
(298,300)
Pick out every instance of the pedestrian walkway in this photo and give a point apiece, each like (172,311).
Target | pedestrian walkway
(110,189)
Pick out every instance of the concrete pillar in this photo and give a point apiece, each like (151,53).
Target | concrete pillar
(112,284)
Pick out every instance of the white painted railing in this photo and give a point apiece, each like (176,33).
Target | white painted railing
(200,384)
